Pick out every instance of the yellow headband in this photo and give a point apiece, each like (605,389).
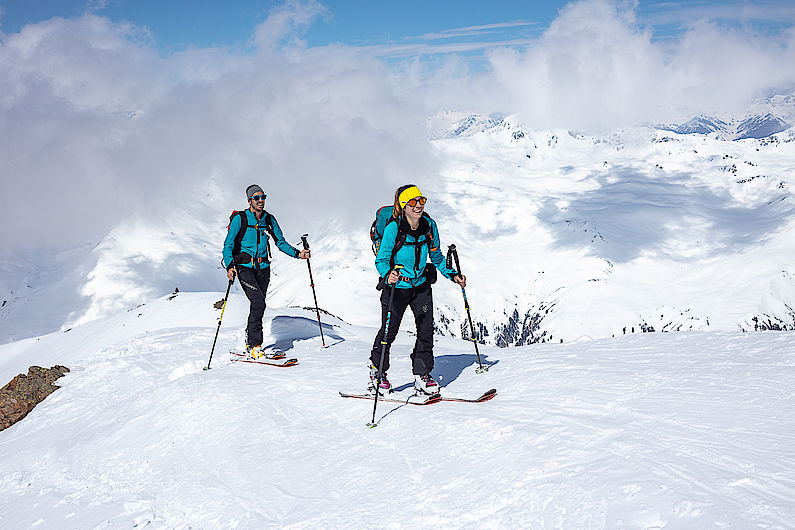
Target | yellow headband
(409,194)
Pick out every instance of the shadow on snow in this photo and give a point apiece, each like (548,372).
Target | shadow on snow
(447,368)
(286,330)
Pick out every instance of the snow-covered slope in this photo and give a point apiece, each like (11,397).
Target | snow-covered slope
(566,235)
(689,430)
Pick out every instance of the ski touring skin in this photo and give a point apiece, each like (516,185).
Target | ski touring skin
(280,361)
(412,399)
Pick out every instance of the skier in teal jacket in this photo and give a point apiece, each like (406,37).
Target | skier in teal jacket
(409,239)
(247,253)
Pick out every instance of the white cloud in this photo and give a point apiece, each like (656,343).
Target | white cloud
(96,125)
(596,68)
(285,23)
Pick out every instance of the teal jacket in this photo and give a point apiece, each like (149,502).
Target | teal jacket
(255,240)
(413,254)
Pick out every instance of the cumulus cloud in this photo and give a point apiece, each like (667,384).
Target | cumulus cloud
(597,68)
(96,125)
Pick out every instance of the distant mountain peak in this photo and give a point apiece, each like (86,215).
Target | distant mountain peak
(753,126)
(766,117)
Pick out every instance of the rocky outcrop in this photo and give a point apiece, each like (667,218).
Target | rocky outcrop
(24,392)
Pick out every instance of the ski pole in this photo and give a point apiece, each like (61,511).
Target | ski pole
(312,284)
(452,255)
(223,308)
(384,342)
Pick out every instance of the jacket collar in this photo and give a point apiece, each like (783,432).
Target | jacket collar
(423,228)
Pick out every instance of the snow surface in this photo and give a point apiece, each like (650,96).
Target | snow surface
(673,430)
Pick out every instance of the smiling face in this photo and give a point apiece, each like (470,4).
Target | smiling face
(257,202)
(414,209)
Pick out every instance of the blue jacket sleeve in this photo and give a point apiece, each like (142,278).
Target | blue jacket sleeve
(234,227)
(385,250)
(282,243)
(437,258)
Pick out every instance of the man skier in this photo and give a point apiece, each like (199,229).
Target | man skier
(247,254)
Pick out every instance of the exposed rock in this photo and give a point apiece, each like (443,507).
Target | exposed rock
(24,392)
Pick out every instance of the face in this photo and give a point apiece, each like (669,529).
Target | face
(257,205)
(415,212)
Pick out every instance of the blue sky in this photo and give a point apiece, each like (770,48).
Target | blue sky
(179,24)
(393,29)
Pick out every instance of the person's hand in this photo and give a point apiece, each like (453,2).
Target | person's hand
(461,280)
(230,274)
(393,277)
(304,254)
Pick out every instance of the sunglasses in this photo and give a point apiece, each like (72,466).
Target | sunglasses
(258,197)
(413,202)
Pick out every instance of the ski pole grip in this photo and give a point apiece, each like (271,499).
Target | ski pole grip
(304,241)
(396,268)
(453,253)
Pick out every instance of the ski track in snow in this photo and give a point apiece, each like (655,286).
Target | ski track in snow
(686,430)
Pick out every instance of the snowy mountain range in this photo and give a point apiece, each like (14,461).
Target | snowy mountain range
(756,126)
(563,236)
(765,118)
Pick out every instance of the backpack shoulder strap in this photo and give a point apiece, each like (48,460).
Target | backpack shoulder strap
(400,240)
(242,230)
(268,220)
(429,235)
(269,224)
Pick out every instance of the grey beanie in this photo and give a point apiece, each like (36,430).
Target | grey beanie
(251,190)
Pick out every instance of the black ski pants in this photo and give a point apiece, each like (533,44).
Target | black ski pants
(255,284)
(420,299)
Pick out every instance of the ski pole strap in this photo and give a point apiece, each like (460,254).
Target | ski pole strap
(452,258)
(305,242)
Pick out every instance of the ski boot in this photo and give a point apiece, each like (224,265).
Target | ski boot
(386,386)
(258,352)
(425,384)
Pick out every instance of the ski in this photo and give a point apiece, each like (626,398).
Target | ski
(287,362)
(489,394)
(412,399)
(415,399)
(240,358)
(274,357)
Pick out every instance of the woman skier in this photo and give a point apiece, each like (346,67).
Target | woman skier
(410,236)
